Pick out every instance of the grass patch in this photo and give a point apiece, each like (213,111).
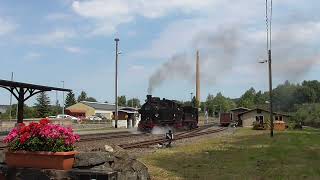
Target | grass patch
(247,154)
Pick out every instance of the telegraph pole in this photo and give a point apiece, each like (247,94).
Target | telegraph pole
(270,93)
(116,85)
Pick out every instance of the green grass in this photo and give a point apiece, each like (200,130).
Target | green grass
(247,154)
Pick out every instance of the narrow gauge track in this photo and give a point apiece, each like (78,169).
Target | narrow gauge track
(95,137)
(104,136)
(162,140)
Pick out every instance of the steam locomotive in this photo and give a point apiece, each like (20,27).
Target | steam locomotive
(166,113)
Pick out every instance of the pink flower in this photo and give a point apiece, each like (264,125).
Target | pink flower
(43,131)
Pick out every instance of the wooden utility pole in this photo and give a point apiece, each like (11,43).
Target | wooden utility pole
(198,80)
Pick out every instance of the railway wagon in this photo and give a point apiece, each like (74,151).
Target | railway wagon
(166,113)
(225,119)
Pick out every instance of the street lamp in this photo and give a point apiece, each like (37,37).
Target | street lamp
(62,98)
(116,85)
(191,97)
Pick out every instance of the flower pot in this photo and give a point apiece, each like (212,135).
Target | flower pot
(41,160)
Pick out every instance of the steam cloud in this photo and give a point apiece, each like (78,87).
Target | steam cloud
(177,67)
(217,53)
(293,55)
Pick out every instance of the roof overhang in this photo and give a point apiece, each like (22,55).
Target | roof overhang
(274,113)
(14,84)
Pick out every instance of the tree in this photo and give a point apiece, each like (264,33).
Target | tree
(56,109)
(134,102)
(82,97)
(248,99)
(283,97)
(209,105)
(309,114)
(91,99)
(70,99)
(122,101)
(28,112)
(42,106)
(315,85)
(219,103)
(305,94)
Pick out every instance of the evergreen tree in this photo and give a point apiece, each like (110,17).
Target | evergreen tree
(122,101)
(70,99)
(82,97)
(42,106)
(134,102)
(248,99)
(91,99)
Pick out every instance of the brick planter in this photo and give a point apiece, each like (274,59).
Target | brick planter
(41,160)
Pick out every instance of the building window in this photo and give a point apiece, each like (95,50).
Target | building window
(259,119)
(278,118)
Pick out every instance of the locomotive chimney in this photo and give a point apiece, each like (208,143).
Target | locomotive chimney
(198,79)
(149,97)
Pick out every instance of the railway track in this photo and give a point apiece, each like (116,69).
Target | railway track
(108,136)
(101,136)
(162,140)
(95,137)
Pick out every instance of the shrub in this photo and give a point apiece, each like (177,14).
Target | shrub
(257,126)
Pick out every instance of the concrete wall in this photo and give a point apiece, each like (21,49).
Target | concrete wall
(249,118)
(120,123)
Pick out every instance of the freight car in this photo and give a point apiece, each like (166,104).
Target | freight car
(166,113)
(225,119)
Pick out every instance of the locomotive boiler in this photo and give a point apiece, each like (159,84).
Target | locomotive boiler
(156,112)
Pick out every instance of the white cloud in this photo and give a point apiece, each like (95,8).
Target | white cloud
(32,55)
(6,26)
(136,68)
(56,36)
(72,49)
(58,16)
(108,14)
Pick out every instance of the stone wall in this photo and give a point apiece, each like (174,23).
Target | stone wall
(109,163)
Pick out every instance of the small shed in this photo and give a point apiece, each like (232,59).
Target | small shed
(261,116)
(127,117)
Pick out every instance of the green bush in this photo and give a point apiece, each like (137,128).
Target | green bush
(258,126)
(308,115)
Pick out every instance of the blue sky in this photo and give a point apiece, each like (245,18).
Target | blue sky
(45,42)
